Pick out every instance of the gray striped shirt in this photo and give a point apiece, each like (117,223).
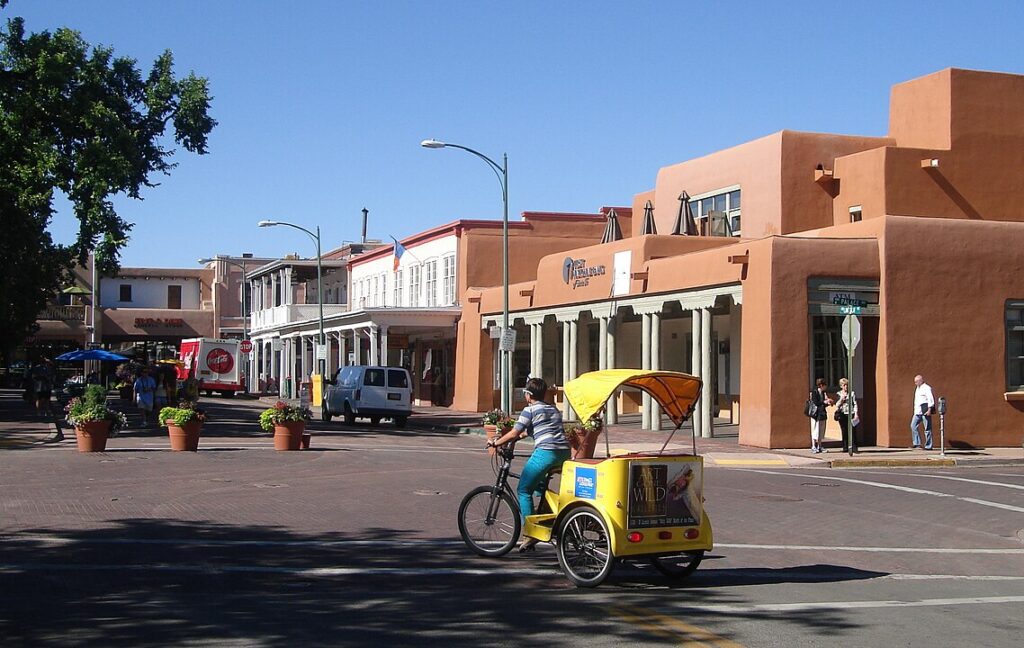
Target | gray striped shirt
(544,423)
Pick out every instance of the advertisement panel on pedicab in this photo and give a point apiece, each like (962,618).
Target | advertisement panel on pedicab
(664,494)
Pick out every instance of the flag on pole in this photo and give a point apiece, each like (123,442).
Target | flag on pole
(399,251)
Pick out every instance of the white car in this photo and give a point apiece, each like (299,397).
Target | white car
(369,392)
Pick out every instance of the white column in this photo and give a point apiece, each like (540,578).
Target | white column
(707,393)
(287,289)
(383,345)
(602,343)
(695,369)
(357,347)
(341,349)
(565,368)
(645,363)
(573,358)
(374,358)
(655,364)
(612,409)
(533,349)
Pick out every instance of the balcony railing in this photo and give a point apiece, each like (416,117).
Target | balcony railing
(63,313)
(281,315)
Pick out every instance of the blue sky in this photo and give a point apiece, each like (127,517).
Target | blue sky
(322,105)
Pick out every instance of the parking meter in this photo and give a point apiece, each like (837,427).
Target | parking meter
(942,424)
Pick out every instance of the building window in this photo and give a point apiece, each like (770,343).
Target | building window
(126,293)
(398,288)
(174,297)
(828,355)
(383,295)
(718,213)
(432,282)
(855,214)
(414,285)
(1015,345)
(449,280)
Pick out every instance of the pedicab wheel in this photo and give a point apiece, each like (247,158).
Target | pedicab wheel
(584,548)
(680,566)
(489,521)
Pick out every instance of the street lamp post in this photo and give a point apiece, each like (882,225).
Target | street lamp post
(319,283)
(505,355)
(241,296)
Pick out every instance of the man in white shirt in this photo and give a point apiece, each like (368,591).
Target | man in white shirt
(924,405)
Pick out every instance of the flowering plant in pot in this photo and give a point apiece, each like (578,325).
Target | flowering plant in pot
(184,424)
(496,423)
(583,437)
(93,421)
(288,423)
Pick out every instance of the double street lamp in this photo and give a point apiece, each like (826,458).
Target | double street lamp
(319,285)
(505,354)
(245,317)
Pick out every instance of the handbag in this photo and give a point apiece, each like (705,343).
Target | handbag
(810,408)
(836,414)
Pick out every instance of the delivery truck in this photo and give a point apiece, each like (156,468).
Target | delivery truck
(216,364)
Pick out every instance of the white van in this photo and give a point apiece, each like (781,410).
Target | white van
(369,392)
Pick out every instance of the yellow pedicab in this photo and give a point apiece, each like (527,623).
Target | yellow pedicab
(638,506)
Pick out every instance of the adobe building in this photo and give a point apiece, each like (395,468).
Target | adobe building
(921,231)
(402,309)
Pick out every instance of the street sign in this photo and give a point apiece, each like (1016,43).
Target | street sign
(508,340)
(321,351)
(494,332)
(849,309)
(245,346)
(851,332)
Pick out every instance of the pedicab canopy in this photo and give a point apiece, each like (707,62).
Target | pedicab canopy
(676,392)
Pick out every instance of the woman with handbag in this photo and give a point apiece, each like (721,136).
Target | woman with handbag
(846,407)
(821,400)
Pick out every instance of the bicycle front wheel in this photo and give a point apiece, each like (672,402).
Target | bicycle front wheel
(489,521)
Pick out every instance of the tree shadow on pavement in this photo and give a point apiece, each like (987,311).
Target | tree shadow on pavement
(156,583)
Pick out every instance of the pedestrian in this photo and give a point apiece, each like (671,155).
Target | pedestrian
(924,407)
(145,394)
(160,393)
(821,400)
(543,422)
(846,408)
(43,376)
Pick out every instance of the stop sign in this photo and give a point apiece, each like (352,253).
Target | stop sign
(245,346)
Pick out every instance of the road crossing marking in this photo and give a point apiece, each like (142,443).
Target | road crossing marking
(905,489)
(961,479)
(941,550)
(848,605)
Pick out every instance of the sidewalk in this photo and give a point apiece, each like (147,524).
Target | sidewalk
(20,428)
(725,450)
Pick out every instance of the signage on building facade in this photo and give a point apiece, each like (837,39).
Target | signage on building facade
(157,322)
(576,272)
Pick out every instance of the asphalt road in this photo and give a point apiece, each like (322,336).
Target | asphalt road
(355,543)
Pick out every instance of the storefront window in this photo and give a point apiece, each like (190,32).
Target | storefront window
(1015,345)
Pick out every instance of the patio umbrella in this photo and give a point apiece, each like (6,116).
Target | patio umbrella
(648,225)
(90,354)
(685,223)
(612,232)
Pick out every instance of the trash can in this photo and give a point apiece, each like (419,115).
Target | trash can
(318,389)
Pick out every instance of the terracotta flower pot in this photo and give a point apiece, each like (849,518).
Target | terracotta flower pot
(185,437)
(584,444)
(288,436)
(92,436)
(492,433)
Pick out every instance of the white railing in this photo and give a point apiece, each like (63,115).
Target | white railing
(282,315)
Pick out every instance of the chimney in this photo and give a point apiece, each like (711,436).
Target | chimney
(366,212)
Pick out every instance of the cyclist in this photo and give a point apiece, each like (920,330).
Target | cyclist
(543,422)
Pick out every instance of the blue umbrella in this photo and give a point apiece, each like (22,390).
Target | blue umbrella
(90,354)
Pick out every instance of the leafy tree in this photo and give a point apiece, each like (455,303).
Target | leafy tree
(78,120)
